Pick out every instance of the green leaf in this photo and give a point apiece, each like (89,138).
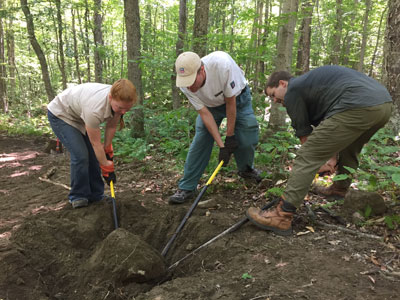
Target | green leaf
(246,276)
(351,170)
(396,178)
(340,177)
(367,211)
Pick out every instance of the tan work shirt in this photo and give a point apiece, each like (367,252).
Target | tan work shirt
(83,105)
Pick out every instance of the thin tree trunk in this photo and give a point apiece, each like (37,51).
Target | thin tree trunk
(200,27)
(11,58)
(284,57)
(364,35)
(123,49)
(98,41)
(337,34)
(61,44)
(86,41)
(3,72)
(76,51)
(132,21)
(232,27)
(176,101)
(378,38)
(303,52)
(38,50)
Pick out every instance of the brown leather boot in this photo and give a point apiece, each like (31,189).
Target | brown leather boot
(277,219)
(332,191)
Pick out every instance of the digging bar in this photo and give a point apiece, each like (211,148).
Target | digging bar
(229,230)
(190,211)
(114,204)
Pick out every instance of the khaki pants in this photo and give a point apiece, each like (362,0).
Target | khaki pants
(346,133)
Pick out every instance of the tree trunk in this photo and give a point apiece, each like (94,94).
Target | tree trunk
(61,44)
(11,58)
(337,34)
(378,39)
(364,35)
(98,41)
(3,72)
(200,27)
(232,27)
(176,101)
(303,52)
(76,51)
(86,41)
(132,21)
(284,56)
(38,50)
(392,61)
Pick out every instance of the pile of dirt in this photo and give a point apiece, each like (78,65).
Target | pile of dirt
(50,251)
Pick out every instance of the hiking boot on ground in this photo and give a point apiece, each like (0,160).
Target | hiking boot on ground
(79,203)
(251,173)
(181,196)
(277,219)
(332,191)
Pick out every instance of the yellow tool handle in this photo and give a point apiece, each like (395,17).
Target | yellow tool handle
(215,172)
(112,189)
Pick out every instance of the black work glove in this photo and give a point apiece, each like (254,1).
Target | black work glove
(231,143)
(111,177)
(230,146)
(224,155)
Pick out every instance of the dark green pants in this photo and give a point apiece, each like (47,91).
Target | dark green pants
(344,133)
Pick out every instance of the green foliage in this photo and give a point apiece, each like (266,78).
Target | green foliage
(367,211)
(21,125)
(246,276)
(128,148)
(274,192)
(392,221)
(276,151)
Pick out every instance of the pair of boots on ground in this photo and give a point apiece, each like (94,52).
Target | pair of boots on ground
(279,219)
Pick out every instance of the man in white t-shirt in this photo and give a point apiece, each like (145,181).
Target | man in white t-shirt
(217,88)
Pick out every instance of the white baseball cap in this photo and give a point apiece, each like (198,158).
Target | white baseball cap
(187,64)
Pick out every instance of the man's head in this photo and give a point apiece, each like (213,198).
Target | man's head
(188,66)
(277,85)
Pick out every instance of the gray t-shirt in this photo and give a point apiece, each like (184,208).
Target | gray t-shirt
(83,105)
(328,90)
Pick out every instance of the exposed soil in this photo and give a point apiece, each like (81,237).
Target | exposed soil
(47,248)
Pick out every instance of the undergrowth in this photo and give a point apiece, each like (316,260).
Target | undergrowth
(168,134)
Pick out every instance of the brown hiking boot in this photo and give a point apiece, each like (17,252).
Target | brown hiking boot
(277,219)
(332,191)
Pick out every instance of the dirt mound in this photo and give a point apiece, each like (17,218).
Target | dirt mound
(50,251)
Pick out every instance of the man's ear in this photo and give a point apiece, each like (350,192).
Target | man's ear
(283,83)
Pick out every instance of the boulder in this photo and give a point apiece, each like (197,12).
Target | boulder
(359,200)
(124,257)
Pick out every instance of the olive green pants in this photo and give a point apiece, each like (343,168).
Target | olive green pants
(344,133)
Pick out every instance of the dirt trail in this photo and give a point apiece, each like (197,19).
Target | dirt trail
(46,246)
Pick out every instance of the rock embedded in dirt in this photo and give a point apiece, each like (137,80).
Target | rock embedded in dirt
(124,257)
(360,200)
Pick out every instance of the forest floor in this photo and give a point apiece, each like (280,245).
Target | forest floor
(45,245)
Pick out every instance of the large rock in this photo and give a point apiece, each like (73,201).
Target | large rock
(359,200)
(124,257)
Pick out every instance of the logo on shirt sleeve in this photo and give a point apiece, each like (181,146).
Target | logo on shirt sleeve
(232,84)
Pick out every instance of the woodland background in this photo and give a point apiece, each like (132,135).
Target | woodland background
(46,46)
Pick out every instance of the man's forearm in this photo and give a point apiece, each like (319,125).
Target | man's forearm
(230,115)
(211,126)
